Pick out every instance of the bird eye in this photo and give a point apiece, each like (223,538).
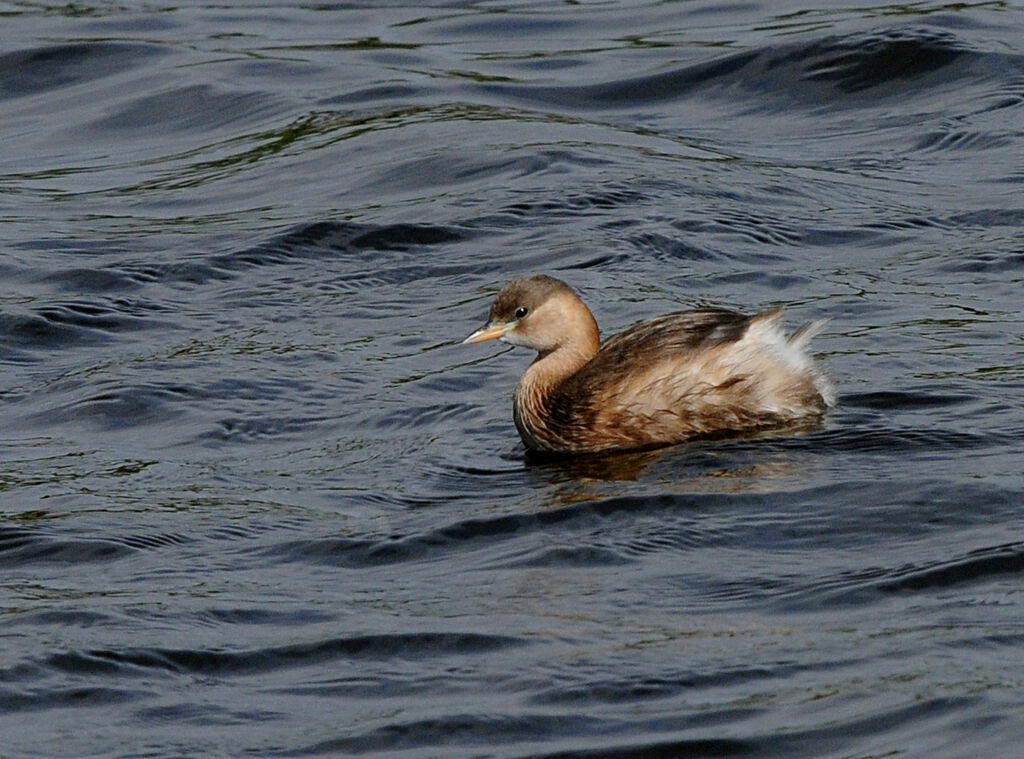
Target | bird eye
(521,312)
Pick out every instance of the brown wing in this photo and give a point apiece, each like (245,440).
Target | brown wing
(652,341)
(687,375)
(679,331)
(601,395)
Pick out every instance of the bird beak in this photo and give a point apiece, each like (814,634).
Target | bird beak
(490,332)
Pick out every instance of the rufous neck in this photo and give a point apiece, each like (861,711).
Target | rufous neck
(575,339)
(550,369)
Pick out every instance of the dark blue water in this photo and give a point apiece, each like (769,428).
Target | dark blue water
(256,500)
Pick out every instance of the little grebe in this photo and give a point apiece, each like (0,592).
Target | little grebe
(677,377)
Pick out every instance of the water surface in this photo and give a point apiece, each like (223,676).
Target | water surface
(258,500)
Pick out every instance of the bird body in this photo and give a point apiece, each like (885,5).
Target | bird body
(681,376)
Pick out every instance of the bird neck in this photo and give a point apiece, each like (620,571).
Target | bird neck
(551,368)
(579,341)
(578,346)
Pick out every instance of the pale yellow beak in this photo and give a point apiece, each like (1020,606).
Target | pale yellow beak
(490,332)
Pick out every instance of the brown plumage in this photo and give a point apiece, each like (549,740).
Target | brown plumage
(677,377)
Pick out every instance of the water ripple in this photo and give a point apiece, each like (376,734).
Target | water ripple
(22,548)
(415,646)
(43,69)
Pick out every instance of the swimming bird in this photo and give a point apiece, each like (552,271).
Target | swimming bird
(703,373)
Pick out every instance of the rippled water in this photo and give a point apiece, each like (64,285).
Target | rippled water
(257,500)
